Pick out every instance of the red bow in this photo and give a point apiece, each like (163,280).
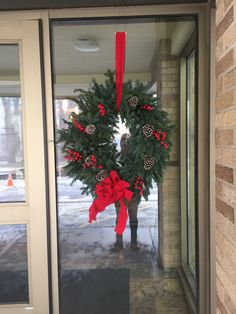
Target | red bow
(111,190)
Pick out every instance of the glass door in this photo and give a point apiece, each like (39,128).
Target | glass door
(98,271)
(23,233)
(188,160)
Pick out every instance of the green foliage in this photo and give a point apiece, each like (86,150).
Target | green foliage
(129,164)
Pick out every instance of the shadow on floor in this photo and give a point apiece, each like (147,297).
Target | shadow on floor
(95,291)
(151,290)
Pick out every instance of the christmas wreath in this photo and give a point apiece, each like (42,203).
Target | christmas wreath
(88,144)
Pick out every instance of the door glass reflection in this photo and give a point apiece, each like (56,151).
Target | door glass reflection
(13,264)
(90,266)
(191,155)
(12,173)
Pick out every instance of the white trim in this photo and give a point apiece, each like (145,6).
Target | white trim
(51,161)
(33,211)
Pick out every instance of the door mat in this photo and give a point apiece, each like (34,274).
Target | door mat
(94,291)
(14,287)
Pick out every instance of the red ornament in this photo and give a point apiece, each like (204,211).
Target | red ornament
(78,125)
(90,161)
(161,137)
(102,110)
(139,185)
(72,155)
(147,107)
(156,135)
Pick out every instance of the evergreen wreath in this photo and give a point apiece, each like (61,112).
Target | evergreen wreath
(88,140)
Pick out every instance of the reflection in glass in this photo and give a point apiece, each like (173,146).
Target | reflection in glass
(12,183)
(88,250)
(13,264)
(191,153)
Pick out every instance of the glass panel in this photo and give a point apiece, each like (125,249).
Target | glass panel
(12,178)
(13,264)
(191,134)
(88,253)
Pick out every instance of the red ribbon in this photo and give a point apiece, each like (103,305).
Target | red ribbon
(109,191)
(120,66)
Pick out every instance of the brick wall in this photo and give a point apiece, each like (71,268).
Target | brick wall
(225,169)
(167,78)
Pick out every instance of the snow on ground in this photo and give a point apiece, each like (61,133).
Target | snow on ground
(72,212)
(15,193)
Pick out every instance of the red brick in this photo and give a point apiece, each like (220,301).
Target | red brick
(219,48)
(224,137)
(227,4)
(229,37)
(219,188)
(225,100)
(219,12)
(225,23)
(228,119)
(230,304)
(219,85)
(225,173)
(221,306)
(230,79)
(225,209)
(225,63)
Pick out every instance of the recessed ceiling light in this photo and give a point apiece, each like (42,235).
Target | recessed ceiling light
(86,45)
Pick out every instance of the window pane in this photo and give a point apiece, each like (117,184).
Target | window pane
(153,50)
(13,264)
(191,162)
(12,182)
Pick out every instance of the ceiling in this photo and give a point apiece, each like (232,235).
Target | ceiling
(73,68)
(141,42)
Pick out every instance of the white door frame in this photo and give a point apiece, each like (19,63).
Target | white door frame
(203,187)
(32,212)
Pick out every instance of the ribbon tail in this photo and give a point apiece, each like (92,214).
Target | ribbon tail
(92,212)
(96,207)
(120,66)
(122,219)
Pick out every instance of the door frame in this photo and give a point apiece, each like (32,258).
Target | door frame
(32,211)
(206,183)
(203,114)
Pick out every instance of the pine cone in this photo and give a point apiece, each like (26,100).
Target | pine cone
(133,102)
(90,129)
(90,161)
(148,130)
(148,162)
(102,174)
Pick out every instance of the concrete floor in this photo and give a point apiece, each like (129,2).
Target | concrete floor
(85,246)
(152,290)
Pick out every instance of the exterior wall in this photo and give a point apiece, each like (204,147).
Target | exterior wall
(167,77)
(225,170)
